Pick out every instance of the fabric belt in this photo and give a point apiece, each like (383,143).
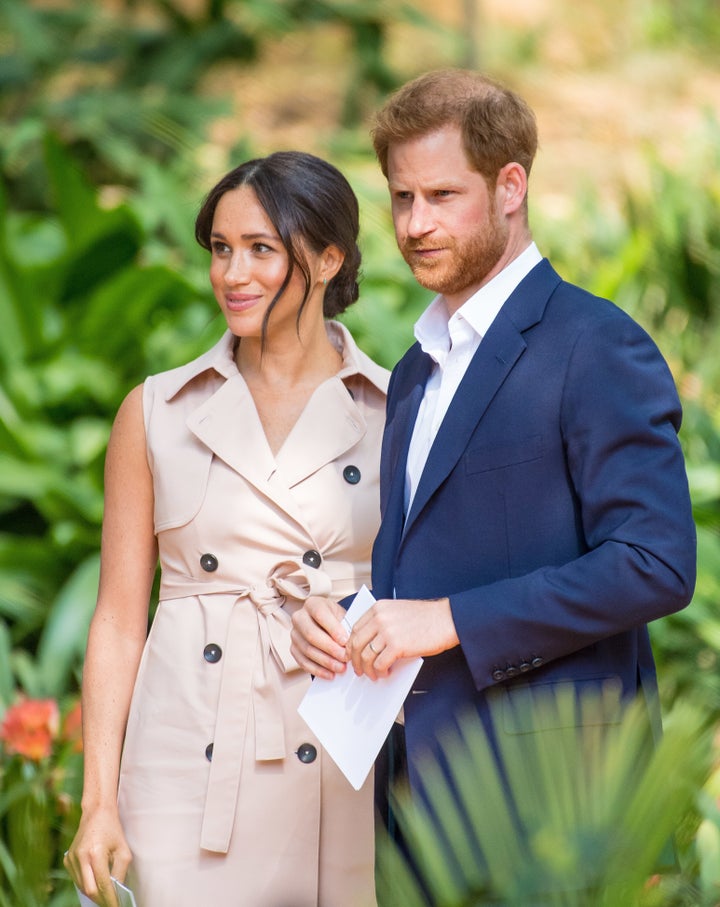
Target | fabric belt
(263,633)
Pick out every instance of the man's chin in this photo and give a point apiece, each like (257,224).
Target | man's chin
(426,278)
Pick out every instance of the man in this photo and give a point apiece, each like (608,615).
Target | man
(535,507)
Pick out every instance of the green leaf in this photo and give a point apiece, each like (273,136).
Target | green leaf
(124,307)
(74,198)
(7,685)
(62,644)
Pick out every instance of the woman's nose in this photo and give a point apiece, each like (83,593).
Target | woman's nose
(237,271)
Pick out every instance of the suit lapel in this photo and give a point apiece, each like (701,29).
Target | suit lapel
(401,421)
(496,356)
(406,392)
(399,429)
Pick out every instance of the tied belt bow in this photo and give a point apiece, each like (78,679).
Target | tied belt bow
(254,636)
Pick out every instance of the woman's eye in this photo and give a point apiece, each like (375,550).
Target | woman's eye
(219,248)
(261,247)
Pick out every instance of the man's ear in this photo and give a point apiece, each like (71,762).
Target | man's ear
(511,187)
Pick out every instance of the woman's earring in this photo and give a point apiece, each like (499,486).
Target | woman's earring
(324,281)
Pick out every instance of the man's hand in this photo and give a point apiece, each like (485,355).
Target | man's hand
(318,637)
(400,628)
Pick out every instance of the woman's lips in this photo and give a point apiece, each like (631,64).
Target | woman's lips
(240,302)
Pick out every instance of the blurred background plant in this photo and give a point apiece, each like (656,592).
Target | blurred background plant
(115,118)
(590,826)
(40,785)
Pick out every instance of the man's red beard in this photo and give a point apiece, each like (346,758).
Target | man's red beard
(459,264)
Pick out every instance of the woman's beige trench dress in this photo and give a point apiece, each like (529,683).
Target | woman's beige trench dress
(226,797)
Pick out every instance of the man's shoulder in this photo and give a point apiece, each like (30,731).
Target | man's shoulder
(577,302)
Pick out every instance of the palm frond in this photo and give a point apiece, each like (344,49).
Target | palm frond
(579,809)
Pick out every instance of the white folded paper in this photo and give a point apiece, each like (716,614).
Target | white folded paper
(351,716)
(125,897)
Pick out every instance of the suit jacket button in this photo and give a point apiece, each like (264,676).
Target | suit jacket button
(537,662)
(512,671)
(209,563)
(351,474)
(212,653)
(312,558)
(498,675)
(306,753)
(208,752)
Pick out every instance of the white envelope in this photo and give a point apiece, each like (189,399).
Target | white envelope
(351,716)
(125,897)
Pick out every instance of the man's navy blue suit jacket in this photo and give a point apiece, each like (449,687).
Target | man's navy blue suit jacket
(553,510)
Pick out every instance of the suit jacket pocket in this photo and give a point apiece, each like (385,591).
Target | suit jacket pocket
(483,457)
(527,708)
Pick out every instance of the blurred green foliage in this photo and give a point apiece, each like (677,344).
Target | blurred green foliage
(660,261)
(83,317)
(588,826)
(40,786)
(101,283)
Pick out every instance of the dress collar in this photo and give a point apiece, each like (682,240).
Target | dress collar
(221,359)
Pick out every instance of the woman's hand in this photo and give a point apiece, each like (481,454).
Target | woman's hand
(99,851)
(319,637)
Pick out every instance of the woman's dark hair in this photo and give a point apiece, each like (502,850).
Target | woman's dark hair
(311,205)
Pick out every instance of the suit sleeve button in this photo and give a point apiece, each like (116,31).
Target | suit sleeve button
(351,474)
(306,753)
(498,675)
(537,662)
(212,653)
(525,666)
(512,671)
(209,563)
(312,558)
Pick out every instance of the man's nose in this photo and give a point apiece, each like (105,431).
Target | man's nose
(421,220)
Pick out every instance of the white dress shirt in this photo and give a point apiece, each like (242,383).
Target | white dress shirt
(451,343)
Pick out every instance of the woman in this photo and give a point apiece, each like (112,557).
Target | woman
(253,472)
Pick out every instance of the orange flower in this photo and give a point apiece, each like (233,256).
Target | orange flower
(29,728)
(72,728)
